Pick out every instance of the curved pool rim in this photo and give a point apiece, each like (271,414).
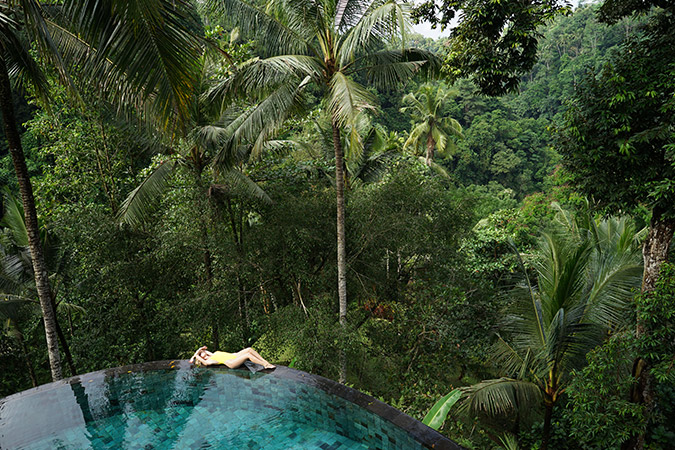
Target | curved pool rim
(423,434)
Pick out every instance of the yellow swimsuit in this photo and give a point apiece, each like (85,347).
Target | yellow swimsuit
(221,357)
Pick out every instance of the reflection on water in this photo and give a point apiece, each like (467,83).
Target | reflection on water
(191,408)
(78,415)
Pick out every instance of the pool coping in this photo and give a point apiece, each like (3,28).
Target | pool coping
(425,435)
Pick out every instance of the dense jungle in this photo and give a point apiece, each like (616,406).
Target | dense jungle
(478,224)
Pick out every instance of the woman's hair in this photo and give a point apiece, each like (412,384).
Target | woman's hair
(197,361)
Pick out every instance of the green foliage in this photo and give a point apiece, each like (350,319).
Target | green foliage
(495,42)
(431,264)
(657,312)
(501,144)
(620,126)
(600,412)
(571,46)
(432,132)
(438,413)
(613,10)
(583,283)
(490,248)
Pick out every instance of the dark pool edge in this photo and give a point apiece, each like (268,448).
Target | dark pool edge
(425,435)
(428,437)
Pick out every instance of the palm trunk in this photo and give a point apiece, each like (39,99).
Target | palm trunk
(203,207)
(547,425)
(215,329)
(237,226)
(654,253)
(431,146)
(64,343)
(341,244)
(206,255)
(37,255)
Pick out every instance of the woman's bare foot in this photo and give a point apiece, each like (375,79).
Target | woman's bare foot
(270,366)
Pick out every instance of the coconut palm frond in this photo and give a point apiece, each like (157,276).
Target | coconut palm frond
(238,184)
(143,44)
(415,138)
(347,99)
(440,138)
(570,338)
(451,127)
(561,272)
(613,286)
(10,283)
(10,305)
(283,147)
(390,68)
(16,269)
(298,15)
(14,220)
(259,123)
(383,19)
(21,66)
(278,37)
(70,307)
(375,167)
(253,79)
(139,204)
(354,148)
(517,358)
(211,137)
(440,170)
(414,105)
(36,22)
(501,396)
(509,441)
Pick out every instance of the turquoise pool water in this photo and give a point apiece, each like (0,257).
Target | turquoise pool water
(191,408)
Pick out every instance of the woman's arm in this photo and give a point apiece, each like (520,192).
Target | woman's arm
(205,362)
(196,355)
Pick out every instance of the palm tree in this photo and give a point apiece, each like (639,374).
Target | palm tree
(584,281)
(327,44)
(193,152)
(17,282)
(365,162)
(432,129)
(142,56)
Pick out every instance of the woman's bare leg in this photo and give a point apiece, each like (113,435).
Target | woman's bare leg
(242,358)
(252,355)
(255,354)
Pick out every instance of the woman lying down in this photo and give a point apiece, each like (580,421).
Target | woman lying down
(232,360)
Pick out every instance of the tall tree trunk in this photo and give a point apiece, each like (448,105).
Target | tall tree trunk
(655,251)
(237,226)
(654,254)
(341,244)
(215,329)
(37,255)
(204,207)
(547,425)
(206,255)
(64,343)
(431,146)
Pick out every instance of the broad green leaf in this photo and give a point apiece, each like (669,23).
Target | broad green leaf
(436,416)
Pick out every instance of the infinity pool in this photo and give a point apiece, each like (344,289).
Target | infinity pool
(170,405)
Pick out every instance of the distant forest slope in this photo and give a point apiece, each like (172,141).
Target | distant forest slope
(507,146)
